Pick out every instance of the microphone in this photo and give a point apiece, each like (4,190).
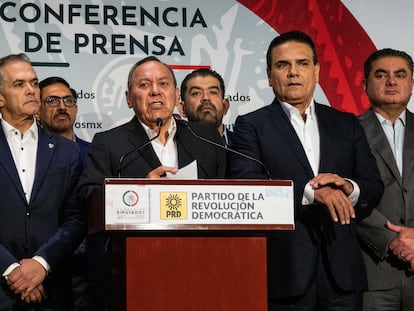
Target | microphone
(227,149)
(158,121)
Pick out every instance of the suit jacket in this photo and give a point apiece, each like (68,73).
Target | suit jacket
(109,147)
(267,134)
(83,148)
(227,137)
(50,225)
(384,269)
(103,161)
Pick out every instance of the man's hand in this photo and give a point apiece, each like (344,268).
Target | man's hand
(35,296)
(403,245)
(339,206)
(25,278)
(161,171)
(333,180)
(332,191)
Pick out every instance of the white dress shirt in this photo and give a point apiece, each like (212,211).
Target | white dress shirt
(395,135)
(168,153)
(24,151)
(308,133)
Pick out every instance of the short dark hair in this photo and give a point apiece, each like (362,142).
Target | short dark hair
(11,58)
(297,36)
(201,72)
(387,52)
(53,80)
(145,60)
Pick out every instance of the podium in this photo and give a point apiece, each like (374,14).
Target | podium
(173,251)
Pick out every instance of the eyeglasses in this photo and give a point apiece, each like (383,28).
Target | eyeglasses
(54,101)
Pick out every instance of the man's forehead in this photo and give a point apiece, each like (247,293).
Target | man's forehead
(12,74)
(292,50)
(148,69)
(390,62)
(55,86)
(204,82)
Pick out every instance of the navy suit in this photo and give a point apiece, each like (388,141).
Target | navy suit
(83,148)
(267,135)
(50,225)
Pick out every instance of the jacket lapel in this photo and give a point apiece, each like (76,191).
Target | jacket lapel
(184,154)
(408,153)
(326,138)
(378,142)
(288,134)
(7,162)
(137,138)
(45,151)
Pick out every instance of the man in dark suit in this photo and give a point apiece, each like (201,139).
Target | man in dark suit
(57,113)
(40,223)
(203,100)
(319,265)
(389,127)
(152,94)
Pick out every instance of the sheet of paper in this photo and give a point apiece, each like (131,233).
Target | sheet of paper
(186,172)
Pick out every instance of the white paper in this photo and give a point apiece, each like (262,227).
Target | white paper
(187,172)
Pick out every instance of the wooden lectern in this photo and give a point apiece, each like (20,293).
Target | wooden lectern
(170,265)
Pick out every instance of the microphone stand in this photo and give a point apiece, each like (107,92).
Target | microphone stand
(159,124)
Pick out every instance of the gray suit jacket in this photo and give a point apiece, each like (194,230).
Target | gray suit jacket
(385,270)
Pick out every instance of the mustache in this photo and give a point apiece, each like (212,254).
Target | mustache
(206,104)
(59,113)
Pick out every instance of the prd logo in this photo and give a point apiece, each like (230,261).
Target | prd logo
(173,205)
(130,198)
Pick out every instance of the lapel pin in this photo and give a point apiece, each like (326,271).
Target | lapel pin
(51,145)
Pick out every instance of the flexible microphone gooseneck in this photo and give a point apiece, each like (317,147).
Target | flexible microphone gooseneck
(227,149)
(159,124)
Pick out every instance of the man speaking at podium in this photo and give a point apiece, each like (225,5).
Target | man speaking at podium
(319,265)
(151,145)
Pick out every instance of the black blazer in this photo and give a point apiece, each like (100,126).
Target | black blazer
(267,134)
(108,147)
(50,225)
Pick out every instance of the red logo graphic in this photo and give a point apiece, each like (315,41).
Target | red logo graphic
(342,44)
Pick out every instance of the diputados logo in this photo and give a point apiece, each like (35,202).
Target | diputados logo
(130,198)
(173,205)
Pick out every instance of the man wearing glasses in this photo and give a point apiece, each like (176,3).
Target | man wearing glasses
(58,110)
(57,113)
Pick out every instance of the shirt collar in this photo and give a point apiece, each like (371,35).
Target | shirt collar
(225,135)
(9,130)
(290,110)
(402,117)
(172,129)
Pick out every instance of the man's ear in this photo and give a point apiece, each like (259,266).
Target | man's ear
(181,108)
(269,81)
(226,105)
(2,100)
(127,94)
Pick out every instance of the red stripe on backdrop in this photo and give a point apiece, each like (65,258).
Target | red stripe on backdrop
(342,44)
(188,67)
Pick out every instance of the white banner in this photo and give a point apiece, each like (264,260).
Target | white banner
(94,43)
(128,203)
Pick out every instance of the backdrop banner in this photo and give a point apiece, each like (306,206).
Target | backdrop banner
(94,43)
